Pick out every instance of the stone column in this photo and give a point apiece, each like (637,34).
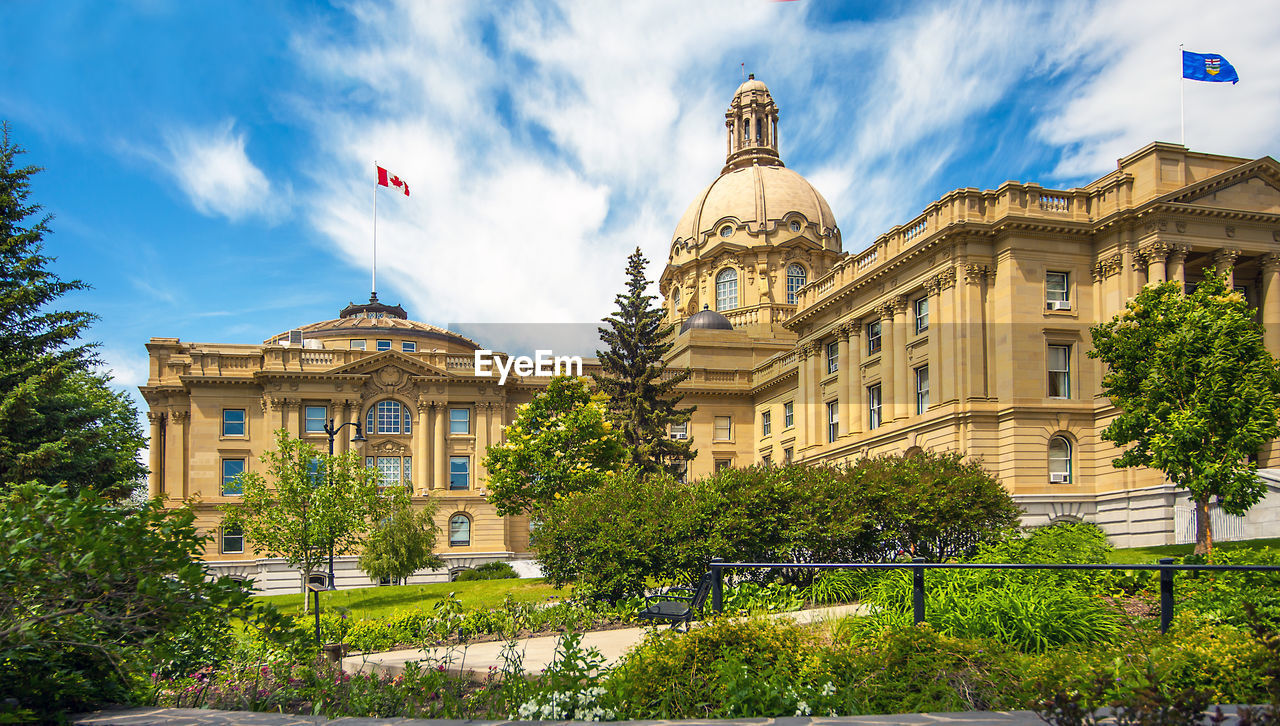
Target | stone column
(439,460)
(817,409)
(973,364)
(934,289)
(901,376)
(842,377)
(1224,262)
(1177,265)
(175,453)
(1271,302)
(155,479)
(853,412)
(1156,254)
(888,364)
(483,413)
(421,470)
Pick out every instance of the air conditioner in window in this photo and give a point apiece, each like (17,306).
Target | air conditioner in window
(1059,304)
(1059,478)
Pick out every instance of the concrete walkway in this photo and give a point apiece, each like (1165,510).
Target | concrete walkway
(538,652)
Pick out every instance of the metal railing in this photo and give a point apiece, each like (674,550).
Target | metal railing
(1166,567)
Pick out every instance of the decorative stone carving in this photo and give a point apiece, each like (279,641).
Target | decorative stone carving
(1180,226)
(947,278)
(1271,262)
(1225,257)
(155,417)
(1275,235)
(1108,267)
(1231,231)
(390,448)
(974,273)
(1178,253)
(931,286)
(899,304)
(179,417)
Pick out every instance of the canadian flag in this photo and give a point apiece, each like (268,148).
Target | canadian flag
(387,179)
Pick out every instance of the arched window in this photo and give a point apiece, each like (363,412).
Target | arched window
(459,530)
(796,277)
(746,129)
(388,417)
(675,296)
(727,289)
(1059,460)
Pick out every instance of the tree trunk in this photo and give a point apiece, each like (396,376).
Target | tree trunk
(1204,528)
(305,600)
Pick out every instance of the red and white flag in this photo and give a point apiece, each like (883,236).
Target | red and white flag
(387,179)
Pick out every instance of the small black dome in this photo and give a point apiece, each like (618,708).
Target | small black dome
(706,319)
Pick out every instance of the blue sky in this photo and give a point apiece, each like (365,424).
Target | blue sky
(210,164)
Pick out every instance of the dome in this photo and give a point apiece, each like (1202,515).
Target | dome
(357,320)
(706,319)
(757,198)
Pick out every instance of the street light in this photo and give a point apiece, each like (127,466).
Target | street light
(332,431)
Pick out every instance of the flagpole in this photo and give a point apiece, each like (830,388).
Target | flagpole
(1182,96)
(373,283)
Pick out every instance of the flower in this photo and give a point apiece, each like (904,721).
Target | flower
(802,709)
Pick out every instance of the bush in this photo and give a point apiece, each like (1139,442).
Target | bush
(1221,596)
(1078,543)
(488,571)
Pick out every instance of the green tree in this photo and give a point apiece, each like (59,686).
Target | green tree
(643,403)
(1197,392)
(560,442)
(403,543)
(314,507)
(60,423)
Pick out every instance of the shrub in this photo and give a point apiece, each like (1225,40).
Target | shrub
(1063,543)
(836,586)
(1221,596)
(488,571)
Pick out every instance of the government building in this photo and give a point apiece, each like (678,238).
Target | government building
(964,329)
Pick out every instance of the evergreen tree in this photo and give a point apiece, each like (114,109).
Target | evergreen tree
(642,400)
(60,423)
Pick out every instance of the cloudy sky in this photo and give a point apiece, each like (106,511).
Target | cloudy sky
(210,165)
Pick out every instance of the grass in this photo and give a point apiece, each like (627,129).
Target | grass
(1138,555)
(378,602)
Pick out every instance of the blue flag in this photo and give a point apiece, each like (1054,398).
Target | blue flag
(1209,67)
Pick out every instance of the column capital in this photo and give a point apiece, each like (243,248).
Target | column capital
(155,417)
(1271,262)
(1107,267)
(975,273)
(180,416)
(1226,256)
(1179,252)
(1156,250)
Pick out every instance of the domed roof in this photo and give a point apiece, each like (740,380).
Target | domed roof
(751,84)
(706,319)
(757,196)
(374,317)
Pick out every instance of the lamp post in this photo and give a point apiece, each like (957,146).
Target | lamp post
(332,431)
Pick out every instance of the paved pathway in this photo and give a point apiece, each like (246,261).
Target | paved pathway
(538,652)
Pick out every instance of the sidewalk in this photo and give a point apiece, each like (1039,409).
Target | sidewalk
(538,652)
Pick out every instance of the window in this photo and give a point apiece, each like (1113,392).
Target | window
(357,345)
(786,455)
(384,345)
(796,276)
(723,464)
(922,315)
(724,428)
(232,468)
(408,346)
(680,430)
(922,389)
(873,406)
(727,289)
(766,461)
(459,531)
(1059,460)
(233,422)
(232,541)
(1059,371)
(315,419)
(833,356)
(459,472)
(313,470)
(388,417)
(795,226)
(459,421)
(873,337)
(675,296)
(833,420)
(726,231)
(681,470)
(766,423)
(788,414)
(390,470)
(1056,292)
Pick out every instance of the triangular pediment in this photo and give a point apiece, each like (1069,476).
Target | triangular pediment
(1252,187)
(390,359)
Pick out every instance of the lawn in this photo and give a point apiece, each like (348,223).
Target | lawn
(1134,555)
(376,602)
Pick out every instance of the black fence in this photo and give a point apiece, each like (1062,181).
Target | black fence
(918,567)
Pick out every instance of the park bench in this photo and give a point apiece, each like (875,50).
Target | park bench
(677,609)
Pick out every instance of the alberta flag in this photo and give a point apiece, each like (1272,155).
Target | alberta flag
(1209,67)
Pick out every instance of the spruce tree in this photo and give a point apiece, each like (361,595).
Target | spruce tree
(60,422)
(642,400)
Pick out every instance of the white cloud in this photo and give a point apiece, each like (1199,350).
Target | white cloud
(128,368)
(216,174)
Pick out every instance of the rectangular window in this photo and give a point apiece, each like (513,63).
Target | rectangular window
(682,470)
(680,431)
(233,422)
(766,423)
(873,337)
(766,460)
(1056,291)
(389,470)
(357,345)
(922,315)
(873,406)
(922,389)
(459,472)
(724,428)
(1059,371)
(833,356)
(316,418)
(786,455)
(409,346)
(232,468)
(833,420)
(788,414)
(384,345)
(460,421)
(723,464)
(232,541)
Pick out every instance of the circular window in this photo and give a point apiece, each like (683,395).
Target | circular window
(795,226)
(726,231)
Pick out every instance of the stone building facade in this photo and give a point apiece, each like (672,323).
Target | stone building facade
(964,329)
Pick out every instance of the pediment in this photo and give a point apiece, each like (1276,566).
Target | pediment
(387,361)
(1253,187)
